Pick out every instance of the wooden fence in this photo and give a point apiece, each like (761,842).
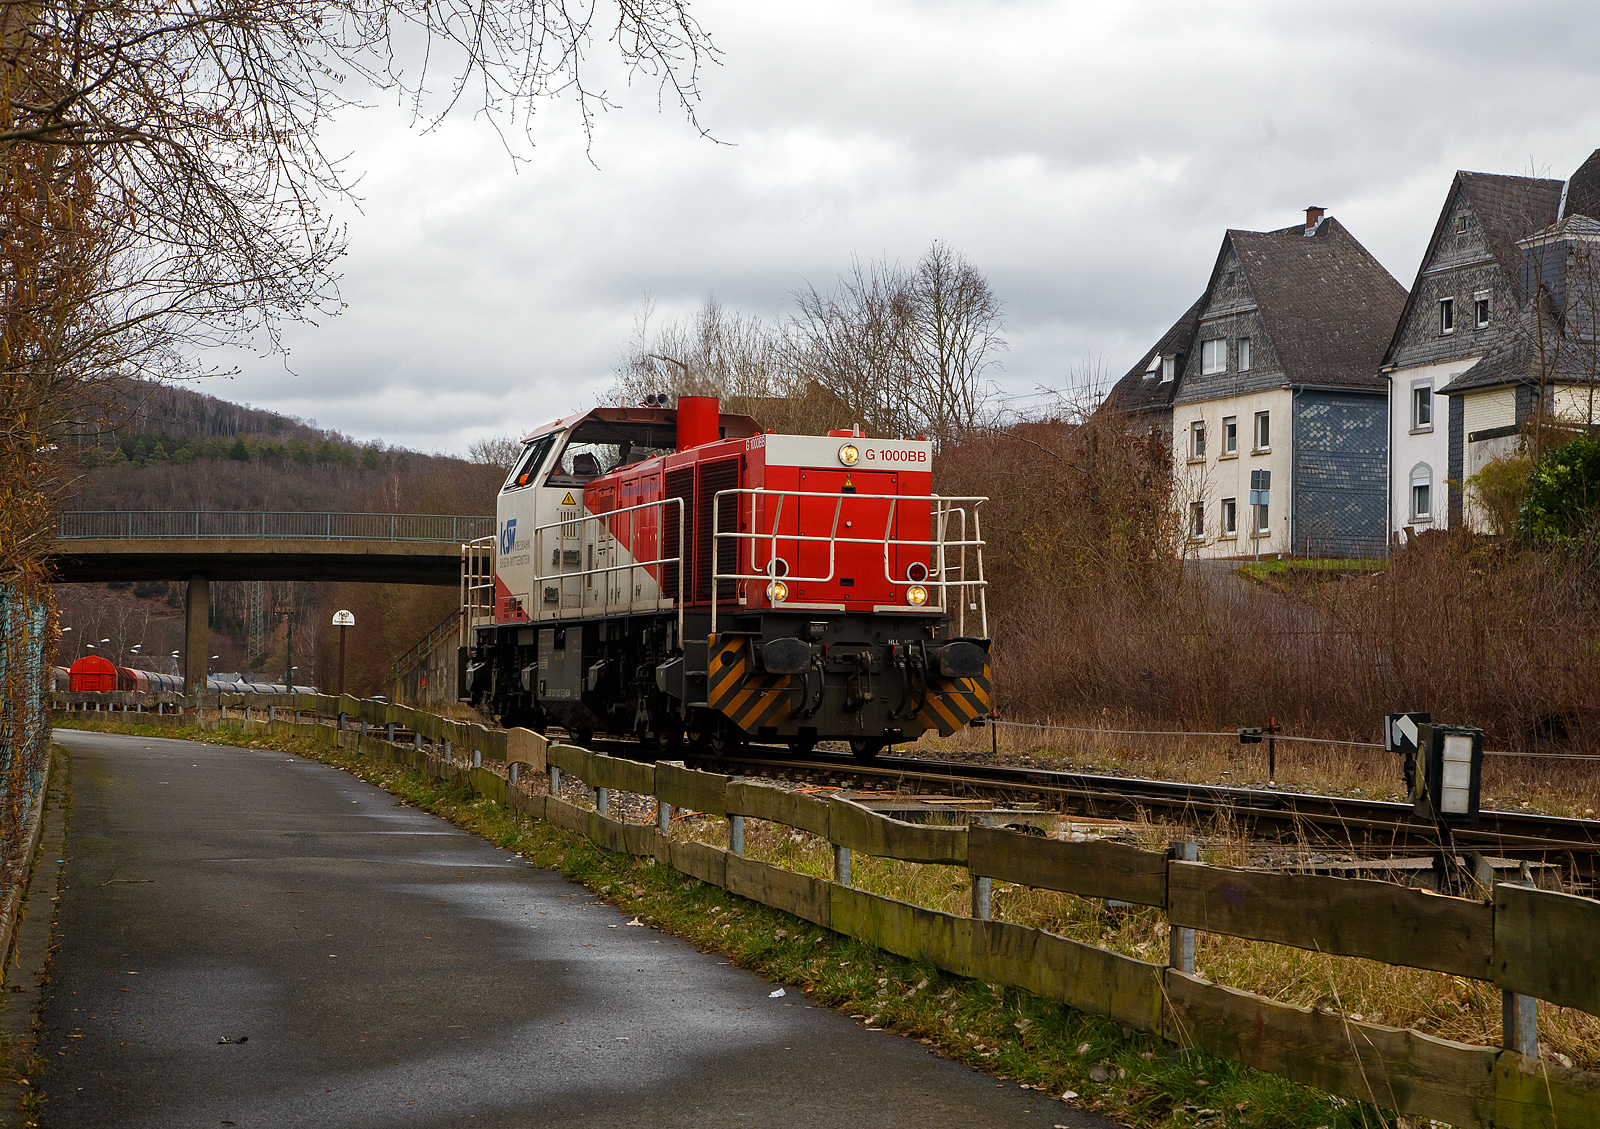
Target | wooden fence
(1530,943)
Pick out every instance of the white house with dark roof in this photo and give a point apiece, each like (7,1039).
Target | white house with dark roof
(1463,307)
(1281,377)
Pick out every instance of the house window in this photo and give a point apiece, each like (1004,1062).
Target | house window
(1461,224)
(1197,520)
(1422,492)
(1447,315)
(1230,435)
(1480,311)
(1263,525)
(1230,517)
(1197,439)
(1213,355)
(1155,366)
(1169,368)
(1244,354)
(1422,407)
(1263,436)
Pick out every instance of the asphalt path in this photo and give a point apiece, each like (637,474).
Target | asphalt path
(371,965)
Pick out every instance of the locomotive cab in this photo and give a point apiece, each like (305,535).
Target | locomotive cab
(667,573)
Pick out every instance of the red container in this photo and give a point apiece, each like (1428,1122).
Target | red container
(92,674)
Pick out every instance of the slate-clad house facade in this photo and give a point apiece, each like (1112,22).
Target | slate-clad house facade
(1543,366)
(1146,392)
(1462,308)
(1281,376)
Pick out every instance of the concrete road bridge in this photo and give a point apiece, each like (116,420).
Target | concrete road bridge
(199,546)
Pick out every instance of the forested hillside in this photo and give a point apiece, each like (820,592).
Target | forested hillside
(170,448)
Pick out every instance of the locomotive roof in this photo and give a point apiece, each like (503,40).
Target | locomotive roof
(733,426)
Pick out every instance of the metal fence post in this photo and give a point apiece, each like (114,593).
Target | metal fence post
(511,772)
(555,782)
(982,885)
(416,742)
(841,865)
(602,797)
(1519,1015)
(477,758)
(1180,954)
(388,733)
(664,817)
(736,830)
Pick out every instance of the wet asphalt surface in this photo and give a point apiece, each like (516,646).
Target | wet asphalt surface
(372,965)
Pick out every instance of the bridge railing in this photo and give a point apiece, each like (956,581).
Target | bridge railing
(268,524)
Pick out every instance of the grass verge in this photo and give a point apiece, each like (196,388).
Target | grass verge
(1136,1078)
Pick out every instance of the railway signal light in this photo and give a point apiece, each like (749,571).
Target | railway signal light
(1448,780)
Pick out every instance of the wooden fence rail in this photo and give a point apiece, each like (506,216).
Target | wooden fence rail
(1531,942)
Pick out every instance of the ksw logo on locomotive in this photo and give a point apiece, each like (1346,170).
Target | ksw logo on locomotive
(508,536)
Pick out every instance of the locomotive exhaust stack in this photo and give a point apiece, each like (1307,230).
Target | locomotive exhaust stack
(674,572)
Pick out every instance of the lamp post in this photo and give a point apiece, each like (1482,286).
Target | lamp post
(343,620)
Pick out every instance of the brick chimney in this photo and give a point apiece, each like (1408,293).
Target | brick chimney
(1313,218)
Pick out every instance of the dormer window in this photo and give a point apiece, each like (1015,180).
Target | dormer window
(1169,368)
(1155,367)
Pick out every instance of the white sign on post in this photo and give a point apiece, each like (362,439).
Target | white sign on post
(343,619)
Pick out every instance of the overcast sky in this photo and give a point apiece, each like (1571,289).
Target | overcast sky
(1086,156)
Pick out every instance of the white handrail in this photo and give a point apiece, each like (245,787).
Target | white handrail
(942,508)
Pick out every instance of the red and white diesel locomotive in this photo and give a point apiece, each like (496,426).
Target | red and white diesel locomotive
(671,571)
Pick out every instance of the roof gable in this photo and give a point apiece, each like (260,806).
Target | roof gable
(1506,208)
(1327,306)
(1583,189)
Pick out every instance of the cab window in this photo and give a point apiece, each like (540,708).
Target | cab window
(522,474)
(599,447)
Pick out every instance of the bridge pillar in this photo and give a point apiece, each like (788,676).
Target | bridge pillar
(197,635)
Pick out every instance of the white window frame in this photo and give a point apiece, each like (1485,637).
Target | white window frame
(1213,355)
(1447,316)
(1482,308)
(1197,440)
(1230,436)
(1169,369)
(1242,351)
(1197,521)
(1418,424)
(1230,517)
(1421,478)
(1262,430)
(1263,520)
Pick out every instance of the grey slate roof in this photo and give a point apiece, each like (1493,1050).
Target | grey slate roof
(1583,190)
(1329,308)
(1136,392)
(1509,208)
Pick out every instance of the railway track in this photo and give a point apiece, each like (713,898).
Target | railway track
(1332,822)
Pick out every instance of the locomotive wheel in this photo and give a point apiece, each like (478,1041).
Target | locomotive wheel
(865,748)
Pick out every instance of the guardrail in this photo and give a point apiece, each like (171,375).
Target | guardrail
(1531,943)
(266,524)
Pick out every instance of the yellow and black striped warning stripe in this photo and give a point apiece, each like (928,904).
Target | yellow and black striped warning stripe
(952,703)
(749,698)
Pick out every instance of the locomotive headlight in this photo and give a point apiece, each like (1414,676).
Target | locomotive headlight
(777,591)
(916,595)
(848,454)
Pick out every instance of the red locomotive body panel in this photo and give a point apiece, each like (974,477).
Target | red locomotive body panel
(841,536)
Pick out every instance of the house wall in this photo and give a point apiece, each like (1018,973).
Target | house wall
(1411,447)
(1489,417)
(1340,473)
(1217,476)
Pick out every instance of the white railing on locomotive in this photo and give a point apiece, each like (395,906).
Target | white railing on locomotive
(572,531)
(478,561)
(943,507)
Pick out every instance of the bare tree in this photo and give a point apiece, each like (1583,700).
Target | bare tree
(907,352)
